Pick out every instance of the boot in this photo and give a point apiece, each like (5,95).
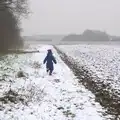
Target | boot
(50,73)
(47,70)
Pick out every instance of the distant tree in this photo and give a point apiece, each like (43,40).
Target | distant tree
(115,39)
(88,35)
(72,37)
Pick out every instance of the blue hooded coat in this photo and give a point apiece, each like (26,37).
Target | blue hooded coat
(49,60)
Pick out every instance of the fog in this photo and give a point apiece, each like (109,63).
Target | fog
(72,16)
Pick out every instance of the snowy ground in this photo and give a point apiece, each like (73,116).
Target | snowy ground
(44,97)
(103,60)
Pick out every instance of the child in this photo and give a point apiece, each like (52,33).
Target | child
(49,59)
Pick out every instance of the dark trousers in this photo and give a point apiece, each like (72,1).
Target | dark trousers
(49,69)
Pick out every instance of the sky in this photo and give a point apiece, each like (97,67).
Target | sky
(72,16)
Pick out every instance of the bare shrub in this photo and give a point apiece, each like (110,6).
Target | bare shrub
(21,74)
(11,96)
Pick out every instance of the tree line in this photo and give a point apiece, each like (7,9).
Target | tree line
(90,35)
(11,11)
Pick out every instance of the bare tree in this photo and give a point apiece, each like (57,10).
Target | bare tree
(10,13)
(17,7)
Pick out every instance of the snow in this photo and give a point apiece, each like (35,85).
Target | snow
(102,60)
(56,97)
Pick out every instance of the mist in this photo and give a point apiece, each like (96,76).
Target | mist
(72,16)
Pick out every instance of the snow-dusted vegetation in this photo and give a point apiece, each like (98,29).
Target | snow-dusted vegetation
(27,92)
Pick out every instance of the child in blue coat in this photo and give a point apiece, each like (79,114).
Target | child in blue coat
(49,60)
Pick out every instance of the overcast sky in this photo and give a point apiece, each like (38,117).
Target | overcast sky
(72,16)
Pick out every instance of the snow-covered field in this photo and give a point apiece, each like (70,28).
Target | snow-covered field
(102,60)
(38,96)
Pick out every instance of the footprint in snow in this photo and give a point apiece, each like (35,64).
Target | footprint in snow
(54,73)
(57,80)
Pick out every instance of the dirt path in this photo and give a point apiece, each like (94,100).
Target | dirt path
(99,89)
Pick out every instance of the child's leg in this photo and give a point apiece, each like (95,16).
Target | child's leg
(51,70)
(47,69)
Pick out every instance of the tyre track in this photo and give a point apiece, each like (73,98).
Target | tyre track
(99,89)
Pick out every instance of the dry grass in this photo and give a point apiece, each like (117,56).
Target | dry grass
(20,74)
(11,96)
(36,65)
